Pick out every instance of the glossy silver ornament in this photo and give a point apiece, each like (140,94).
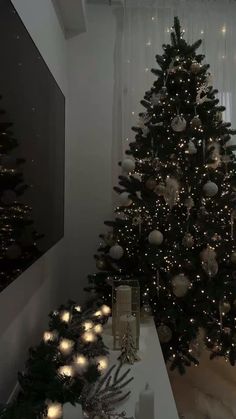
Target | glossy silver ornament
(180,285)
(188,240)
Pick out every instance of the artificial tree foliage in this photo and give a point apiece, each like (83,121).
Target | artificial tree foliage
(41,382)
(18,238)
(174,228)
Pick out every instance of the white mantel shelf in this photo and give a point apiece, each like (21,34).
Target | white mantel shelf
(71,15)
(151,369)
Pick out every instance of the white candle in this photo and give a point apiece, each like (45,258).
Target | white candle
(124,321)
(146,403)
(72,412)
(124,299)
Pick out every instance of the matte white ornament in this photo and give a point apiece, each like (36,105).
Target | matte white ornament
(125,199)
(210,189)
(178,123)
(116,252)
(180,285)
(155,237)
(128,165)
(192,148)
(164,333)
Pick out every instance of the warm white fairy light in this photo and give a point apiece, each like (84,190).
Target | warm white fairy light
(98,313)
(88,325)
(80,363)
(54,411)
(102,362)
(89,337)
(98,329)
(49,336)
(66,370)
(78,308)
(65,316)
(66,346)
(106,310)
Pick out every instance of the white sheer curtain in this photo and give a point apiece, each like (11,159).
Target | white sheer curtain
(142,27)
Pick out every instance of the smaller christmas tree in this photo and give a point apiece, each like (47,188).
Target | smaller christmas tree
(128,350)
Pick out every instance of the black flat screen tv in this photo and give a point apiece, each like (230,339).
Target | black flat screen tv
(32,150)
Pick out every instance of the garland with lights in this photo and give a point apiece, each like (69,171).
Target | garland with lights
(175,226)
(70,356)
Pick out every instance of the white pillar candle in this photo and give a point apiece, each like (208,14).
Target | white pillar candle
(124,321)
(72,412)
(124,299)
(146,403)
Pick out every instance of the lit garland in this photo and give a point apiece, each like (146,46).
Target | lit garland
(70,355)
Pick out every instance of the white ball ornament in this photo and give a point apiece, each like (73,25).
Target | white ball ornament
(210,189)
(178,123)
(116,252)
(125,199)
(180,284)
(192,148)
(164,333)
(155,237)
(128,165)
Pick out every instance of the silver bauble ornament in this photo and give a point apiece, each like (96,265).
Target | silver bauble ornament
(195,67)
(155,99)
(207,254)
(155,237)
(160,189)
(151,184)
(196,122)
(233,257)
(128,165)
(210,267)
(192,148)
(164,333)
(188,240)
(189,203)
(225,307)
(180,285)
(125,200)
(116,252)
(210,189)
(178,123)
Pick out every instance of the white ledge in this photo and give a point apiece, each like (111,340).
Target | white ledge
(71,15)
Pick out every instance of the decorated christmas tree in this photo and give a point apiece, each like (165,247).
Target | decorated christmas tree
(18,239)
(174,226)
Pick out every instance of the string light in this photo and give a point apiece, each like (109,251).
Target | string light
(88,325)
(102,363)
(98,329)
(65,316)
(66,370)
(66,346)
(89,337)
(49,336)
(54,411)
(106,310)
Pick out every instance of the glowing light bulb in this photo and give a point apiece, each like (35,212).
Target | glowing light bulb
(65,316)
(102,363)
(66,346)
(106,311)
(88,325)
(223,29)
(78,308)
(98,313)
(49,336)
(89,337)
(54,411)
(98,329)
(66,370)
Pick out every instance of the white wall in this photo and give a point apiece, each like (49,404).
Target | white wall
(24,305)
(90,73)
